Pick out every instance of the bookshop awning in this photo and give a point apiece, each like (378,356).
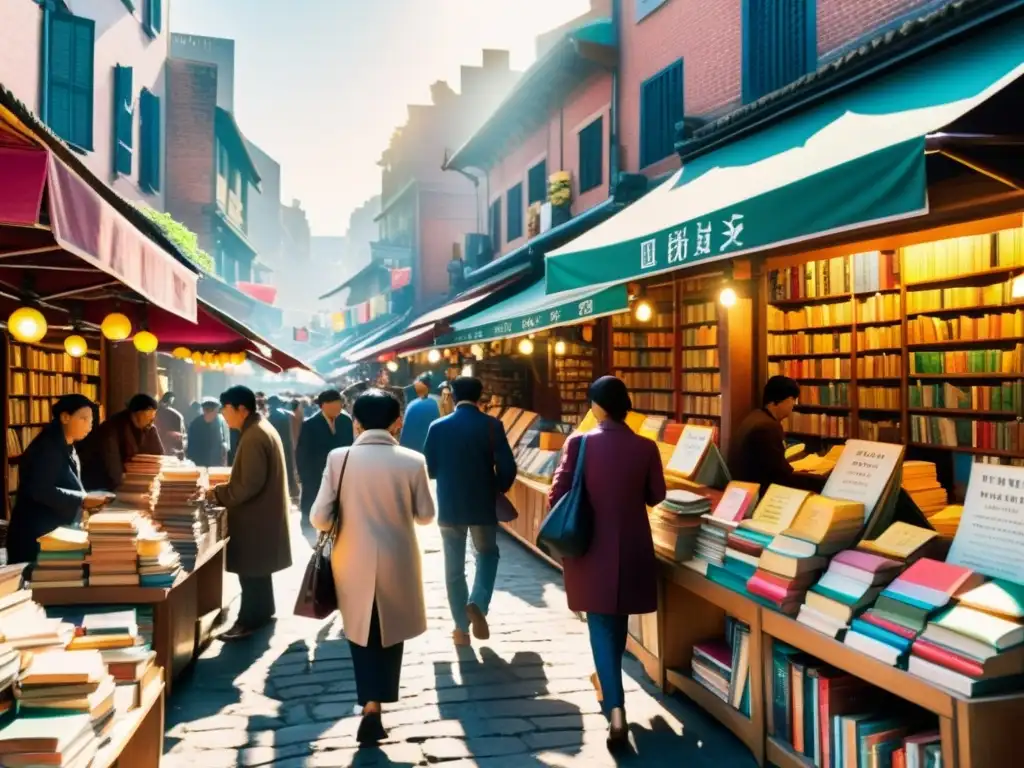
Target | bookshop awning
(408,339)
(848,163)
(534,310)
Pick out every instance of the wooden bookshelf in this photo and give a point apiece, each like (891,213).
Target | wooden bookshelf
(573,373)
(36,375)
(643,354)
(508,380)
(700,379)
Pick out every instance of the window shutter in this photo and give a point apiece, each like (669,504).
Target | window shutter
(153,17)
(61,41)
(591,158)
(514,215)
(661,108)
(496,226)
(149,132)
(537,183)
(124,119)
(779,44)
(82,83)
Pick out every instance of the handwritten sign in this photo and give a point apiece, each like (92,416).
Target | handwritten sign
(690,450)
(863,473)
(990,538)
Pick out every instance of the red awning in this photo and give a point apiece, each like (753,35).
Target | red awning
(21,188)
(259,291)
(411,339)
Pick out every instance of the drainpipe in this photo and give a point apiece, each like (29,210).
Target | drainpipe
(613,116)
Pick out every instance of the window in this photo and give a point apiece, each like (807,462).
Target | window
(537,183)
(592,155)
(149,141)
(780,44)
(661,107)
(514,215)
(68,79)
(152,16)
(495,225)
(124,120)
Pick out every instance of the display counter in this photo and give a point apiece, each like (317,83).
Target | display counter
(137,740)
(183,614)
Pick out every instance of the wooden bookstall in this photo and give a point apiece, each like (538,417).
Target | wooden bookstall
(643,353)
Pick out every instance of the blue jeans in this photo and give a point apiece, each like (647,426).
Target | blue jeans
(485,542)
(608,644)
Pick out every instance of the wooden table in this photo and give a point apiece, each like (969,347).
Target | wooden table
(137,740)
(178,611)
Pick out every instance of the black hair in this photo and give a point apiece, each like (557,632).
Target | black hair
(167,399)
(328,396)
(239,397)
(210,404)
(612,394)
(779,388)
(293,404)
(425,378)
(467,389)
(70,404)
(142,402)
(376,409)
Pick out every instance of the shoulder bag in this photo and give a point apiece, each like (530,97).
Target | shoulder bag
(503,508)
(569,526)
(318,597)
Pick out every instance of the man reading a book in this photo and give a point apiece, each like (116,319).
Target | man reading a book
(757,452)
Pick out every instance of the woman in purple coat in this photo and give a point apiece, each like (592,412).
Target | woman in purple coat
(618,576)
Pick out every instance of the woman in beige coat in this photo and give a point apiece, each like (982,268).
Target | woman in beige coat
(382,491)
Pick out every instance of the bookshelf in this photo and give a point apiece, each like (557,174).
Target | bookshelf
(574,372)
(700,367)
(643,354)
(37,374)
(507,380)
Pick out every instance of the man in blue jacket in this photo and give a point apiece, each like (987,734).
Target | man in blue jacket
(419,415)
(469,456)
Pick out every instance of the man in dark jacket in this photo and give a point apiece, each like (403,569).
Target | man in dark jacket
(120,438)
(321,433)
(280,418)
(207,437)
(469,456)
(757,452)
(171,425)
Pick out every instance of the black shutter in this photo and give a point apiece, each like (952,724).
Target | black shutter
(124,122)
(779,44)
(537,183)
(591,141)
(661,108)
(514,215)
(149,132)
(496,226)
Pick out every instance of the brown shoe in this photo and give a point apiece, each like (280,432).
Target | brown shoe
(460,638)
(618,729)
(479,622)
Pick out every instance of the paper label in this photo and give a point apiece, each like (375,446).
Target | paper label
(990,538)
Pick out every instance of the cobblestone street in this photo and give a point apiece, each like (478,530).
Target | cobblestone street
(286,697)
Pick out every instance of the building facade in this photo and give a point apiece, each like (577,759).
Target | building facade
(95,72)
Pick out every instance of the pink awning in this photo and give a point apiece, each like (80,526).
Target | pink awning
(259,291)
(408,340)
(24,178)
(89,227)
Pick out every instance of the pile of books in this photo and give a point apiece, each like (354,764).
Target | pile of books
(723,666)
(946,521)
(217,475)
(139,479)
(176,512)
(51,739)
(675,524)
(852,582)
(736,504)
(159,562)
(888,628)
(61,560)
(921,481)
(113,559)
(10,667)
(831,717)
(795,558)
(128,657)
(24,624)
(975,647)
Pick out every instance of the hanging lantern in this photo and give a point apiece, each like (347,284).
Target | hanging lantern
(224,358)
(433,356)
(27,324)
(526,347)
(75,345)
(392,366)
(116,327)
(237,358)
(145,342)
(209,358)
(477,351)
(560,348)
(181,353)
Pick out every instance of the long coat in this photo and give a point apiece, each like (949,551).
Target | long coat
(469,455)
(622,476)
(281,420)
(384,494)
(112,445)
(256,498)
(50,495)
(207,443)
(316,440)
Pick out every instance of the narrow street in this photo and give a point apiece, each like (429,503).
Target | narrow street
(286,698)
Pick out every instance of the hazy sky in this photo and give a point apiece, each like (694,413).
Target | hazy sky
(321,84)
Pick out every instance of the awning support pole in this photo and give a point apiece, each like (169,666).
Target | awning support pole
(983,169)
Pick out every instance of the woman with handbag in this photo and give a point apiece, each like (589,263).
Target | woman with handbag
(621,475)
(371,498)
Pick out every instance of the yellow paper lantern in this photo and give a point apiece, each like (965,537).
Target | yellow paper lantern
(209,358)
(526,347)
(75,345)
(145,342)
(237,358)
(116,327)
(181,353)
(27,324)
(224,358)
(560,348)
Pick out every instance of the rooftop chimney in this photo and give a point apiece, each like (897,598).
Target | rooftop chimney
(496,59)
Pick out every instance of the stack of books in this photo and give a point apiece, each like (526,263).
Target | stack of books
(10,667)
(139,480)
(975,647)
(852,582)
(723,666)
(113,560)
(49,739)
(946,521)
(129,659)
(159,562)
(217,475)
(888,628)
(675,524)
(921,481)
(904,542)
(176,512)
(795,558)
(24,626)
(67,683)
(61,561)
(736,504)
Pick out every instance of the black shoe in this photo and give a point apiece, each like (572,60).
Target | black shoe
(371,730)
(477,620)
(237,632)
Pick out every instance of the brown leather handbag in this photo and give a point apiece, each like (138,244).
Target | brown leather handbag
(318,597)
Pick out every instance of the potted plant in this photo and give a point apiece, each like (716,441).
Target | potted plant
(560,197)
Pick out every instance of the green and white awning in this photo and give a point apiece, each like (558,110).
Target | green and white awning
(534,310)
(854,161)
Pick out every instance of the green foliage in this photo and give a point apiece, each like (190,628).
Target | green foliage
(182,237)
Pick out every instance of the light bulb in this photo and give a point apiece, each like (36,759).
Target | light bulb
(477,351)
(27,324)
(392,366)
(1017,287)
(526,347)
(643,311)
(116,327)
(75,345)
(560,348)
(433,356)
(467,371)
(727,298)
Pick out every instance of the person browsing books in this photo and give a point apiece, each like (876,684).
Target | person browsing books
(125,435)
(51,493)
(757,452)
